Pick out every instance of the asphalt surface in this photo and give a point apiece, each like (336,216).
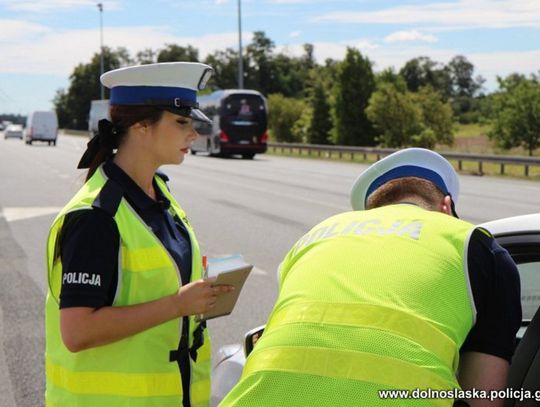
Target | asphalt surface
(258,208)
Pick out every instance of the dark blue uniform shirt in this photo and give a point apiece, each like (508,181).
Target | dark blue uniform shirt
(90,243)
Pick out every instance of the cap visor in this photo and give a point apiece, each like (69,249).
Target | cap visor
(194,114)
(199,116)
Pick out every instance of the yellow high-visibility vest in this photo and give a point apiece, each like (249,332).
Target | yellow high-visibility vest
(368,301)
(135,371)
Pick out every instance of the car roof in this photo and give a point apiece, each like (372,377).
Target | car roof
(514,225)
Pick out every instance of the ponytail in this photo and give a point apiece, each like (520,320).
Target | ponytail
(111,134)
(100,148)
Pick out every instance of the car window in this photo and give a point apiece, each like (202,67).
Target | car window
(530,288)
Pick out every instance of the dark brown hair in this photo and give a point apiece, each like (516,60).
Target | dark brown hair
(122,118)
(413,189)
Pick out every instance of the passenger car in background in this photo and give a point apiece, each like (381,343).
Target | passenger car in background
(519,235)
(14,131)
(41,126)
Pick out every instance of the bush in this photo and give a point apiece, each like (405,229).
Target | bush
(283,114)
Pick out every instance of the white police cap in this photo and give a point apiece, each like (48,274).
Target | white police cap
(410,162)
(170,85)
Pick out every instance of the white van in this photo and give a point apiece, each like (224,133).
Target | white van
(41,126)
(99,109)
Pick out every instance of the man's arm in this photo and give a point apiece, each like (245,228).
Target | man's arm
(481,371)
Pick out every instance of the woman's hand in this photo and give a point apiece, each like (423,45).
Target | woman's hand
(200,296)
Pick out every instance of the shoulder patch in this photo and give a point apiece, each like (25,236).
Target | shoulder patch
(109,198)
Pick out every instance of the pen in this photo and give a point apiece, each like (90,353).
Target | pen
(205,266)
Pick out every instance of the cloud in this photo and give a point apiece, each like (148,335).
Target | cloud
(462,14)
(15,31)
(295,34)
(40,6)
(492,64)
(412,35)
(34,48)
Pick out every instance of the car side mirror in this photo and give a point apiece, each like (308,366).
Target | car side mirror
(251,338)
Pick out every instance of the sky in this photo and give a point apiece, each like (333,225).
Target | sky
(41,41)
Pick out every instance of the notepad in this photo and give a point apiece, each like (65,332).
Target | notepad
(230,270)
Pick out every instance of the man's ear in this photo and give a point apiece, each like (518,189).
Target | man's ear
(445,205)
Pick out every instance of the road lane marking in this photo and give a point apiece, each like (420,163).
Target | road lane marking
(13,214)
(258,272)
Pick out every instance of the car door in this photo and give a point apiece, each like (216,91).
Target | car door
(521,237)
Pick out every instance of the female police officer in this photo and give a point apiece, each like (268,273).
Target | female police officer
(124,266)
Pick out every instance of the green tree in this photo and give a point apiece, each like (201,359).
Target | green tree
(300,128)
(395,115)
(422,71)
(283,114)
(465,88)
(517,114)
(289,75)
(308,59)
(355,82)
(177,53)
(405,118)
(389,76)
(260,72)
(436,115)
(225,63)
(461,75)
(512,81)
(320,125)
(146,56)
(62,109)
(74,104)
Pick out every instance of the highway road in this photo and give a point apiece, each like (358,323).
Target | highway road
(258,208)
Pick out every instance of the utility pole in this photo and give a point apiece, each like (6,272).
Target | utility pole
(240,58)
(100,7)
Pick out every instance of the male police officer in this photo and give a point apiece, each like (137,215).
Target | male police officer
(396,295)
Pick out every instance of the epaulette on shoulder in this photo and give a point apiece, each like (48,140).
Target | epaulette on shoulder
(109,198)
(164,178)
(162,175)
(484,231)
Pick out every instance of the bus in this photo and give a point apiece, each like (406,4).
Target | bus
(239,123)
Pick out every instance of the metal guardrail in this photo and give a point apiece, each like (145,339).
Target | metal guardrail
(352,152)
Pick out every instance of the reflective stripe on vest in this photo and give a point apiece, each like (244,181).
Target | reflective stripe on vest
(121,384)
(132,385)
(392,320)
(344,364)
(148,258)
